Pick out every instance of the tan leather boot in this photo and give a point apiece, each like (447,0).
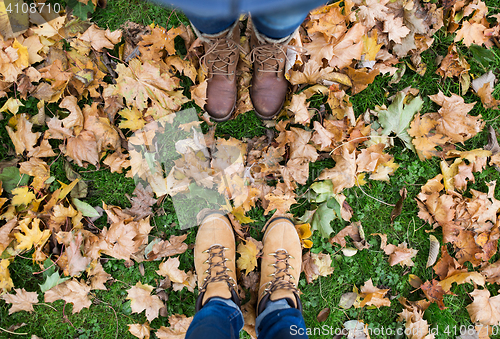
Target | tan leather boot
(214,259)
(221,58)
(269,85)
(281,264)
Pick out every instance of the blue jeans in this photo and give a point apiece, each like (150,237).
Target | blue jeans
(273,24)
(222,319)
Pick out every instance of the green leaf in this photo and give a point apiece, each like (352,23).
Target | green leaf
(81,10)
(321,220)
(86,209)
(52,280)
(11,178)
(397,117)
(334,204)
(323,190)
(483,55)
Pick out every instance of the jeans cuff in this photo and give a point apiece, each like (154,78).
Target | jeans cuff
(230,303)
(270,307)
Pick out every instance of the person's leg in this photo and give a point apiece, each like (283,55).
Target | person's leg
(280,321)
(279,309)
(280,24)
(219,318)
(209,24)
(217,306)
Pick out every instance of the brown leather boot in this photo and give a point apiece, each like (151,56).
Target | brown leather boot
(214,259)
(221,58)
(281,264)
(269,85)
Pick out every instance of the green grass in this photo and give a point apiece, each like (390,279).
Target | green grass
(110,312)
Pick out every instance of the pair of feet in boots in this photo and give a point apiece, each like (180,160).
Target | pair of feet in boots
(214,257)
(269,85)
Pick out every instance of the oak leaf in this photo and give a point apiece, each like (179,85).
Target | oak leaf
(29,237)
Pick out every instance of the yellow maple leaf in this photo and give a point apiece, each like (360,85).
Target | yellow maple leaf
(22,196)
(248,256)
(66,188)
(22,51)
(12,105)
(134,120)
(239,214)
(32,236)
(370,46)
(305,233)
(5,281)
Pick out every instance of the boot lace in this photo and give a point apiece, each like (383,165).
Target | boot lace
(269,57)
(217,270)
(219,56)
(281,273)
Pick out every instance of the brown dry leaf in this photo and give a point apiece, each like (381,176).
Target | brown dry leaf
(309,268)
(323,263)
(141,201)
(400,255)
(5,230)
(484,310)
(179,325)
(279,201)
(199,94)
(174,245)
(472,33)
(361,78)
(71,291)
(23,139)
(485,93)
(453,64)
(170,268)
(299,147)
(141,299)
(100,39)
(299,107)
(434,292)
(117,162)
(21,301)
(141,331)
(415,326)
(82,148)
(76,262)
(322,136)
(98,276)
(462,278)
(124,239)
(248,311)
(343,175)
(372,296)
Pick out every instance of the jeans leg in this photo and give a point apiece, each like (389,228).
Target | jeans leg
(219,318)
(210,25)
(280,24)
(280,321)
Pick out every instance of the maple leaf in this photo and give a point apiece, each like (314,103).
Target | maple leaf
(394,27)
(100,39)
(485,93)
(71,291)
(397,118)
(21,301)
(22,196)
(152,45)
(141,331)
(323,263)
(343,175)
(372,296)
(175,245)
(5,280)
(141,299)
(416,326)
(29,237)
(82,148)
(23,139)
(133,119)
(484,309)
(322,136)
(472,33)
(199,93)
(248,255)
(179,325)
(5,230)
(299,107)
(75,261)
(98,276)
(170,268)
(142,81)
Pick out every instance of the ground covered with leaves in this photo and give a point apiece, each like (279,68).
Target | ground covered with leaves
(385,155)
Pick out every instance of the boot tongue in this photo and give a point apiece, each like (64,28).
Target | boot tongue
(217,289)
